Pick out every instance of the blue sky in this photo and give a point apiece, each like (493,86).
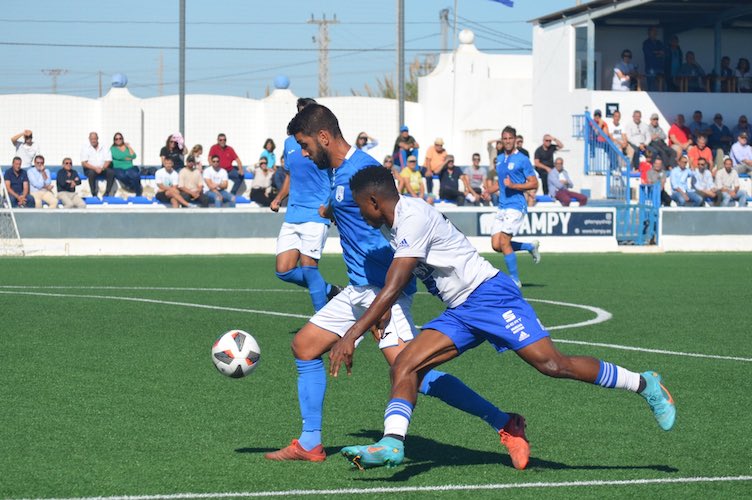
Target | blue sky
(227,28)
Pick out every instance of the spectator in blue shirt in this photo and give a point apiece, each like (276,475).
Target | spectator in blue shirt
(17,185)
(719,140)
(683,192)
(269,154)
(655,56)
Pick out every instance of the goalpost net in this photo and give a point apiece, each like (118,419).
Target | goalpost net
(10,239)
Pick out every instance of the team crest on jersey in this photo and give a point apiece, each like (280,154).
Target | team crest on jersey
(340,194)
(510,166)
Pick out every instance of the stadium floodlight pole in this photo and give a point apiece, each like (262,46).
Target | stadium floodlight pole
(181,125)
(401,61)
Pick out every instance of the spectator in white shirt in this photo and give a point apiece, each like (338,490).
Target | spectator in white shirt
(559,184)
(638,138)
(215,184)
(96,160)
(727,183)
(167,185)
(26,149)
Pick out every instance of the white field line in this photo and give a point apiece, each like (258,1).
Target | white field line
(656,351)
(419,489)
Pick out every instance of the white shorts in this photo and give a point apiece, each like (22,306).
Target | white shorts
(508,220)
(308,238)
(339,314)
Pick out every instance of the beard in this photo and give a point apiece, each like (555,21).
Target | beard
(321,157)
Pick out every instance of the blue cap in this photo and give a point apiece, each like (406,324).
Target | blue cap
(404,128)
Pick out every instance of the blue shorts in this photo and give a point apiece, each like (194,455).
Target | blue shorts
(495,312)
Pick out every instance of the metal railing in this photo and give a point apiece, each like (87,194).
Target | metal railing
(604,157)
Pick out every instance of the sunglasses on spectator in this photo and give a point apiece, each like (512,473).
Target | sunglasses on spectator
(120,139)
(67,163)
(222,140)
(263,163)
(362,138)
(412,161)
(215,161)
(547,140)
(39,161)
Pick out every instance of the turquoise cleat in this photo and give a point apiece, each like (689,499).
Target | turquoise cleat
(659,400)
(389,452)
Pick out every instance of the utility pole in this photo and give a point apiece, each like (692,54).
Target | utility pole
(160,74)
(444,19)
(181,99)
(323,40)
(100,83)
(54,73)
(401,61)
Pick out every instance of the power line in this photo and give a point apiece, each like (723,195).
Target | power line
(230,23)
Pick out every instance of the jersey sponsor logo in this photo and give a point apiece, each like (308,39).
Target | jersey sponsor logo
(509,316)
(291,152)
(403,244)
(340,194)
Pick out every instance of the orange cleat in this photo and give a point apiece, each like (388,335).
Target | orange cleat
(297,452)
(513,437)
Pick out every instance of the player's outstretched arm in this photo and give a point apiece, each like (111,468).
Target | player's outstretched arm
(397,277)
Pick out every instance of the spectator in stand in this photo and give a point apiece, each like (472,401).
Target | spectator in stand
(701,150)
(617,131)
(544,158)
(601,146)
(520,142)
(226,156)
(167,181)
(683,192)
(122,164)
(40,184)
(699,127)
(405,145)
(679,136)
(17,185)
(741,154)
(658,142)
(703,183)
(674,59)
(261,185)
(638,138)
(559,184)
(174,149)
(198,156)
(530,193)
(743,76)
(657,175)
(742,126)
(449,184)
(278,180)
(215,184)
(411,181)
(476,177)
(646,163)
(693,73)
(655,58)
(67,180)
(97,159)
(727,184)
(491,189)
(268,153)
(365,142)
(494,147)
(191,183)
(26,149)
(720,140)
(436,156)
(625,74)
(726,74)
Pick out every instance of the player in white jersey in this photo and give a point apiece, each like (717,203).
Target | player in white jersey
(483,304)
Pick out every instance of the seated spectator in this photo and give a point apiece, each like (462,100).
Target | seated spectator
(699,127)
(17,185)
(719,140)
(67,180)
(657,176)
(742,126)
(278,180)
(215,184)
(520,142)
(683,192)
(680,137)
(741,154)
(646,164)
(727,184)
(122,163)
(96,160)
(268,153)
(412,181)
(435,157)
(702,181)
(617,131)
(559,184)
(449,183)
(476,176)
(701,150)
(26,149)
(405,145)
(40,184)
(693,73)
(174,149)
(261,185)
(491,188)
(743,75)
(167,181)
(658,144)
(625,73)
(227,156)
(197,152)
(365,142)
(191,183)
(638,138)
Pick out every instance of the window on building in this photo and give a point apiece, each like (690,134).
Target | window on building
(580,57)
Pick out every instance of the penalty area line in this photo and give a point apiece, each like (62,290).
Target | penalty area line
(418,489)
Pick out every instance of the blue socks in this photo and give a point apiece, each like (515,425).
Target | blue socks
(454,392)
(294,275)
(311,389)
(316,286)
(511,260)
(517,246)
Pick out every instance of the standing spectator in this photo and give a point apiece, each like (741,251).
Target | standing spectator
(268,153)
(261,185)
(174,149)
(655,56)
(638,138)
(559,185)
(40,184)
(544,158)
(226,156)
(617,131)
(122,163)
(494,147)
(693,73)
(405,145)
(191,183)
(26,149)
(743,75)
(679,136)
(742,126)
(657,175)
(600,150)
(449,183)
(658,142)
(702,181)
(701,150)
(741,154)
(215,184)
(683,193)
(674,59)
(96,160)
(365,142)
(278,179)
(17,185)
(720,140)
(625,74)
(699,127)
(167,181)
(412,181)
(520,142)
(67,180)
(197,152)
(727,184)
(436,156)
(476,177)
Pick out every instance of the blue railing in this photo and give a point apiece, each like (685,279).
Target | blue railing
(604,157)
(638,224)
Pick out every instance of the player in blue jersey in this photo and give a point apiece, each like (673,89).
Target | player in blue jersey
(303,234)
(516,175)
(483,304)
(367,257)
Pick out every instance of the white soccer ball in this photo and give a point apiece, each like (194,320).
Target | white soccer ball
(236,353)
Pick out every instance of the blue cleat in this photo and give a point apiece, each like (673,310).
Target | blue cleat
(389,452)
(659,400)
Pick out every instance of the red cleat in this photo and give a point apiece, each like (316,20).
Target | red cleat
(513,437)
(297,452)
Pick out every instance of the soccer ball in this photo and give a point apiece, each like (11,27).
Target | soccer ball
(236,353)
